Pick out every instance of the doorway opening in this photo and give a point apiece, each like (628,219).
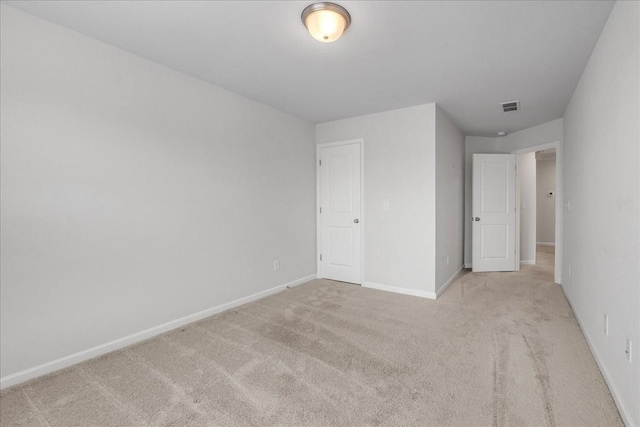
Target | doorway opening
(546,207)
(539,213)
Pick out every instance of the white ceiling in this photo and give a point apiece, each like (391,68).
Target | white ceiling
(468,56)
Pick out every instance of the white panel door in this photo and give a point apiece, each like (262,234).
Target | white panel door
(340,226)
(494,212)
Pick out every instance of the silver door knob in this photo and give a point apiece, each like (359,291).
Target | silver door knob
(477,219)
(356,220)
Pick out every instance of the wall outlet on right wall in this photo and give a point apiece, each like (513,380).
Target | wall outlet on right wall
(628,350)
(605,326)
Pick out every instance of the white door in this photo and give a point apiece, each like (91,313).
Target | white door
(494,212)
(339,220)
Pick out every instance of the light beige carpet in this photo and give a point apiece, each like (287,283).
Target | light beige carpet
(497,349)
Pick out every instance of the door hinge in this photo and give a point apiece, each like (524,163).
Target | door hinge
(320,162)
(320,209)
(320,257)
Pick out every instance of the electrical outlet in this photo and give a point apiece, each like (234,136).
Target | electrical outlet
(628,350)
(569,272)
(569,206)
(276,265)
(605,325)
(447,259)
(385,205)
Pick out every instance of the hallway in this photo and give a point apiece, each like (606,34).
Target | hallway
(545,262)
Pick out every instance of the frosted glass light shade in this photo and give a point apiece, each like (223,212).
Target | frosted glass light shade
(326,21)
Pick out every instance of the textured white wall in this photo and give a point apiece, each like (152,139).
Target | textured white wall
(449,197)
(601,181)
(133,195)
(399,166)
(545,205)
(533,136)
(527,183)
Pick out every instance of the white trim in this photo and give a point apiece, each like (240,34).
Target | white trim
(90,353)
(546,243)
(450,281)
(624,412)
(557,274)
(468,265)
(399,290)
(362,218)
(528,262)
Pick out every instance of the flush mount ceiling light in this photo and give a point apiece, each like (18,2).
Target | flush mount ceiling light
(326,21)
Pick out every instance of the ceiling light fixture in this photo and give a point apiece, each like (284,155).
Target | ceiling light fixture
(326,21)
(502,133)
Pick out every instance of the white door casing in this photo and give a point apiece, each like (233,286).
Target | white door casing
(339,212)
(493,221)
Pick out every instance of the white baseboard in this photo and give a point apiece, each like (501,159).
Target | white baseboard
(528,262)
(624,412)
(450,281)
(72,359)
(399,290)
(545,243)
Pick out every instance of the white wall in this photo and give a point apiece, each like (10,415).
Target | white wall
(526,173)
(449,198)
(538,135)
(545,205)
(533,136)
(133,195)
(601,181)
(399,166)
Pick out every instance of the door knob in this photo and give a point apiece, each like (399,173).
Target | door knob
(477,219)
(356,220)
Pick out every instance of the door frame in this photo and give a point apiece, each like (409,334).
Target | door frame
(557,274)
(319,147)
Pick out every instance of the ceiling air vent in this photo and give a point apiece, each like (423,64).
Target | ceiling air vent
(510,106)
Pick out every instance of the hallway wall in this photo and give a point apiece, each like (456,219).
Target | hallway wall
(602,185)
(545,204)
(527,183)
